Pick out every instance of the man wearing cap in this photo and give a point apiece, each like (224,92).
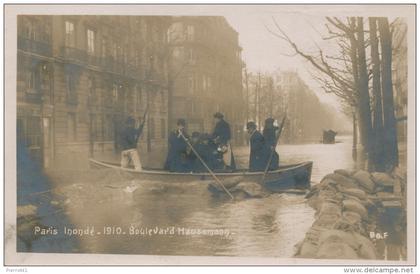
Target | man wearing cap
(177,161)
(221,136)
(259,150)
(128,141)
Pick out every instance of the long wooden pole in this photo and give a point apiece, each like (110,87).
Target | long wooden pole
(143,121)
(273,150)
(206,166)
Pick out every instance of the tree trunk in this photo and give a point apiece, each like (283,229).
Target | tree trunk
(365,120)
(354,150)
(378,128)
(355,70)
(390,127)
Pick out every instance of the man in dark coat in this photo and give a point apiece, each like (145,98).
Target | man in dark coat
(221,136)
(259,150)
(128,142)
(191,155)
(177,161)
(270,134)
(202,148)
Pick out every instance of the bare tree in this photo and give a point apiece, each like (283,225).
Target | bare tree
(347,76)
(390,123)
(377,94)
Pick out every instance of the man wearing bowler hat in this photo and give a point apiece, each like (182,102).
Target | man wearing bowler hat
(260,152)
(176,160)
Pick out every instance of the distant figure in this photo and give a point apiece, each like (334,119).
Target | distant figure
(221,136)
(328,136)
(270,134)
(176,160)
(128,141)
(259,151)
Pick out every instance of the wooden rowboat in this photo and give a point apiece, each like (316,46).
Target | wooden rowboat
(285,177)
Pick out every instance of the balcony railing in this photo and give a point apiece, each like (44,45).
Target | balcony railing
(74,54)
(110,64)
(33,46)
(94,60)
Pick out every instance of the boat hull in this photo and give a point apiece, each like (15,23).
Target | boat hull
(285,177)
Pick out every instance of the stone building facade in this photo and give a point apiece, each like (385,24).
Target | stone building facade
(80,77)
(205,73)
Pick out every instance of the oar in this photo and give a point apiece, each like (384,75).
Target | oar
(143,121)
(273,149)
(205,165)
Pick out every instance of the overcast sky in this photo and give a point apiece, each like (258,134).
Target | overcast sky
(262,51)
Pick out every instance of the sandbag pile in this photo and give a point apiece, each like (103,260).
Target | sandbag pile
(345,203)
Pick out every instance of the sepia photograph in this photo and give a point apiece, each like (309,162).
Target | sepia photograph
(210,134)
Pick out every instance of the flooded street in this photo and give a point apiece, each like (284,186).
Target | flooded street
(126,215)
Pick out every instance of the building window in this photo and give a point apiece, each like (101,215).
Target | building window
(92,90)
(190,33)
(191,57)
(192,108)
(115,94)
(33,132)
(138,97)
(90,41)
(70,38)
(152,128)
(204,82)
(103,50)
(109,128)
(30,30)
(120,52)
(32,86)
(71,89)
(71,126)
(162,128)
(114,50)
(162,99)
(208,82)
(191,84)
(93,128)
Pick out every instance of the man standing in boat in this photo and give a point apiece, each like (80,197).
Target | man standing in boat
(221,136)
(271,133)
(128,141)
(259,152)
(176,160)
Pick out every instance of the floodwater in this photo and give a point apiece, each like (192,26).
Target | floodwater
(143,217)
